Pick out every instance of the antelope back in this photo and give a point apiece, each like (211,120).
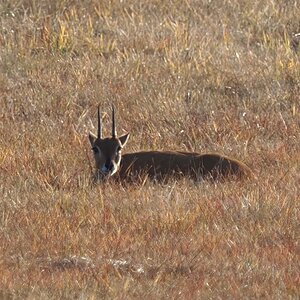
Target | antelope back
(107,151)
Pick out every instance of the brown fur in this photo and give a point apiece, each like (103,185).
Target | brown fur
(159,165)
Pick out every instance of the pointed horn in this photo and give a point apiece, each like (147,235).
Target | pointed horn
(99,135)
(114,131)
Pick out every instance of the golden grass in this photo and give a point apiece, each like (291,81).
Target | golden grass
(62,238)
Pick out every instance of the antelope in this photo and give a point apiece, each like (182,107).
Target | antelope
(158,165)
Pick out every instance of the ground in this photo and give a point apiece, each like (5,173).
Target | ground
(205,76)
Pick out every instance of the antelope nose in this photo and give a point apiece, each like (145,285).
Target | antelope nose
(108,165)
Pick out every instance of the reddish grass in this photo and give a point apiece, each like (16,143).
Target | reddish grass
(63,238)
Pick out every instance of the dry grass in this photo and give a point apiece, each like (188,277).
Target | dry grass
(62,238)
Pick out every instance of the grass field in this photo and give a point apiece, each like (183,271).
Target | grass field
(205,76)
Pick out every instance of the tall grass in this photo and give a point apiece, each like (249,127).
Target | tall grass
(62,238)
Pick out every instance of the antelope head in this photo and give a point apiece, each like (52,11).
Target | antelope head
(107,151)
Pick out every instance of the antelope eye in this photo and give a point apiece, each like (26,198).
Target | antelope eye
(119,148)
(95,149)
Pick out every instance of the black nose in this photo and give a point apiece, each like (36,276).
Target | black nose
(109,165)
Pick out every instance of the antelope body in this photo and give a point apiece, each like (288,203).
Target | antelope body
(158,165)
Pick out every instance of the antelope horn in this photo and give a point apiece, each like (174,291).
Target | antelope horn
(114,132)
(99,124)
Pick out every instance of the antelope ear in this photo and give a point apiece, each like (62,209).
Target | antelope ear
(123,139)
(92,138)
